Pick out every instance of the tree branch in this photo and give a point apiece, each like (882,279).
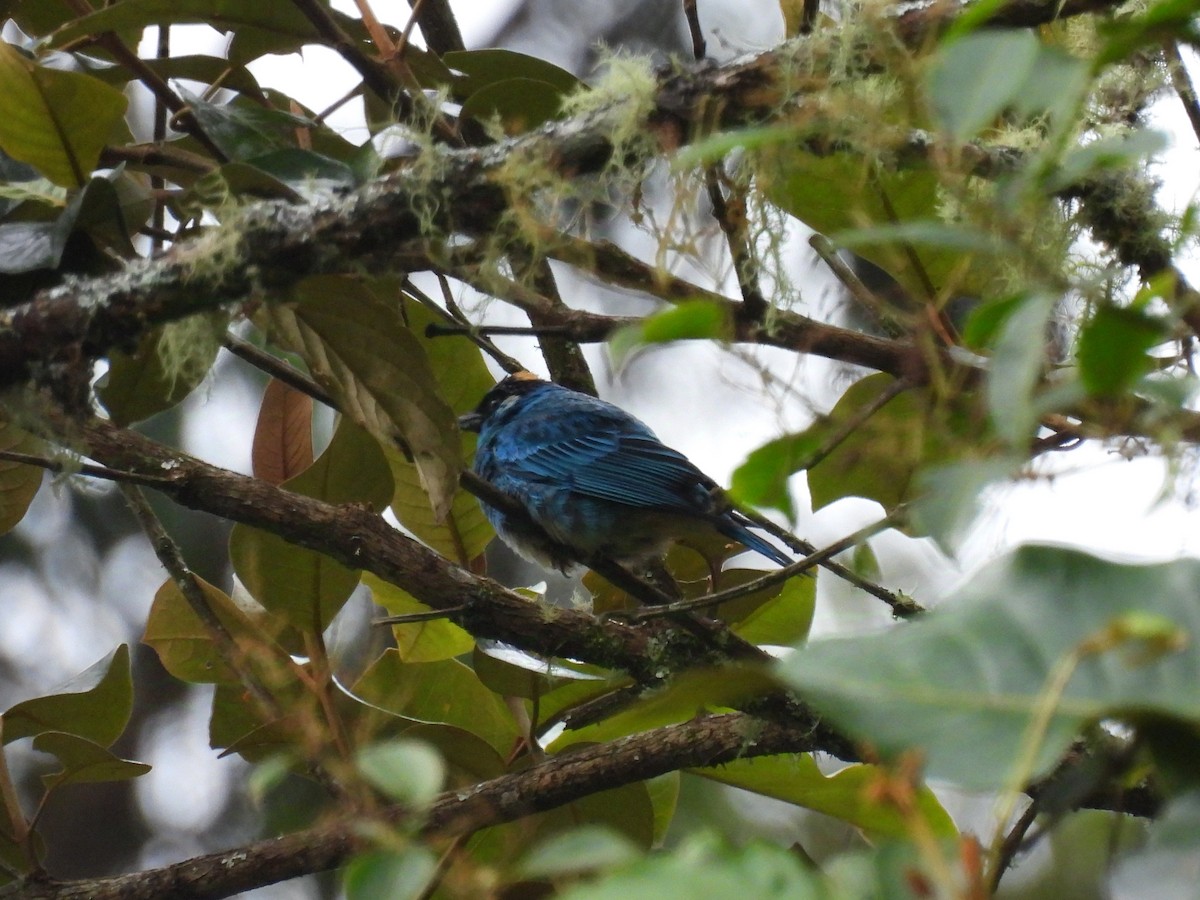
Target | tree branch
(360,539)
(709,741)
(266,248)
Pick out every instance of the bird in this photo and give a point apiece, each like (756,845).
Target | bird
(594,481)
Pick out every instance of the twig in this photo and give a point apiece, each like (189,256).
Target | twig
(277,368)
(19,828)
(158,223)
(715,633)
(699,47)
(427,616)
(730,212)
(468,330)
(563,357)
(1182,83)
(112,42)
(462,325)
(809,19)
(856,421)
(338,103)
(93,471)
(374,75)
(157,155)
(902,606)
(866,298)
(771,579)
(172,560)
(550,784)
(414,17)
(438,25)
(1012,844)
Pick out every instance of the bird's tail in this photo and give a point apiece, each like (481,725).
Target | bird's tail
(734,526)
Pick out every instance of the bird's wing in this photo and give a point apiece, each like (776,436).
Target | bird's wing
(633,469)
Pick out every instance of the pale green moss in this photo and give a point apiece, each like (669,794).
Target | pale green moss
(188,346)
(624,94)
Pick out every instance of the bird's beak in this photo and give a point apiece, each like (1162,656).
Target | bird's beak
(471,421)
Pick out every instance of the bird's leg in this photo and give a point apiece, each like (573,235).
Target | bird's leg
(659,576)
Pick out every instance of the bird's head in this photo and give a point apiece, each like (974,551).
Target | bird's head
(501,397)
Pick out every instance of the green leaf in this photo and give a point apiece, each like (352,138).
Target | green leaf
(184,645)
(38,18)
(950,497)
(1166,19)
(1016,369)
(692,692)
(302,169)
(520,104)
(977,76)
(1055,85)
(396,875)
(1114,151)
(462,535)
(892,217)
(580,850)
(762,871)
(880,458)
(303,586)
(481,68)
(56,121)
(282,18)
(465,753)
(513,673)
(688,320)
(140,384)
(762,480)
(444,691)
(463,378)
(1113,348)
(350,470)
(83,761)
(845,795)
(964,682)
(216,189)
(785,619)
(420,641)
(19,483)
(920,233)
(243,129)
(95,705)
(358,348)
(626,810)
(664,800)
(235,727)
(717,146)
(986,320)
(865,563)
(406,771)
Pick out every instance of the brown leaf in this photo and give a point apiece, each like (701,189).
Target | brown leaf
(283,436)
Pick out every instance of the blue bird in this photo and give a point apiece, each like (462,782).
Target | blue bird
(596,480)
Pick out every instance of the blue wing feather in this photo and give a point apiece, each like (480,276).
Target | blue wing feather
(557,439)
